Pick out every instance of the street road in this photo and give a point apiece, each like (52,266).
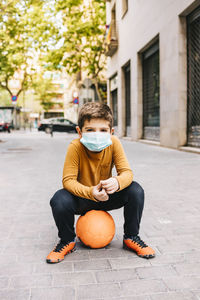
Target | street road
(31,171)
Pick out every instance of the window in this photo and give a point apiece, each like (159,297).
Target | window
(114,107)
(151,93)
(66,122)
(60,121)
(114,100)
(127,86)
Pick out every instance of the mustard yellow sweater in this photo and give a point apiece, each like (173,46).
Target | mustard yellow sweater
(84,169)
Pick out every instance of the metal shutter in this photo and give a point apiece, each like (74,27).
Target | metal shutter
(151,94)
(193,70)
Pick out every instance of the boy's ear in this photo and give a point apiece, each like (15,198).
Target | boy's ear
(112,131)
(79,131)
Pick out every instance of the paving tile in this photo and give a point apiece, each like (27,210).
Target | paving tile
(155,241)
(30,235)
(165,259)
(174,296)
(31,258)
(129,262)
(18,250)
(4,234)
(34,218)
(101,290)
(53,268)
(175,246)
(9,259)
(78,255)
(101,264)
(111,253)
(144,297)
(197,294)
(4,282)
(30,227)
(193,256)
(58,293)
(116,275)
(6,219)
(30,281)
(155,272)
(188,268)
(143,287)
(182,283)
(47,246)
(24,242)
(21,294)
(15,269)
(73,278)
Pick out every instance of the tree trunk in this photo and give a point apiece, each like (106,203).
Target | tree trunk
(97,90)
(5,87)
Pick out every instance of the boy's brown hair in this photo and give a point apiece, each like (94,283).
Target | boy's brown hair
(95,110)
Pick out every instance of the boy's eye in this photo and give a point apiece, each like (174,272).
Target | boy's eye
(94,130)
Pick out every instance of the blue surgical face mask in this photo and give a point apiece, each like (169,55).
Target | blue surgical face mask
(96,141)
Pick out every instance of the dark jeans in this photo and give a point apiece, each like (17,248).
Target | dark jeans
(65,205)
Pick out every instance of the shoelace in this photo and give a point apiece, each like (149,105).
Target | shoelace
(140,242)
(60,247)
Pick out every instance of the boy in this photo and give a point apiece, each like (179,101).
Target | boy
(88,183)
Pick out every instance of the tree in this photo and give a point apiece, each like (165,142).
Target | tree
(25,31)
(45,91)
(4,98)
(83,33)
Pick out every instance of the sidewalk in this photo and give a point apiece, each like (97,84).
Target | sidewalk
(31,171)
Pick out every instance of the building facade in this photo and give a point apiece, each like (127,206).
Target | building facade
(154,70)
(65,87)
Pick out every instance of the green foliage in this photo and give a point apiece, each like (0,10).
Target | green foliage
(45,91)
(71,32)
(5,98)
(83,29)
(25,30)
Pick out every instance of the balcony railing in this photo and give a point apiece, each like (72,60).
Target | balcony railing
(111,41)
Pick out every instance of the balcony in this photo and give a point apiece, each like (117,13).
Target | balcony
(111,42)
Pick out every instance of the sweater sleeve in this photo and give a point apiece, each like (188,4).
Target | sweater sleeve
(124,172)
(70,175)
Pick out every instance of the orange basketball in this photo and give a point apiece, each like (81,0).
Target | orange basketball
(96,228)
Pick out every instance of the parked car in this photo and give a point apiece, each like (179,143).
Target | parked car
(57,124)
(5,126)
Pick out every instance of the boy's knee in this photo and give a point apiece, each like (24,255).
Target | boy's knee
(61,199)
(56,198)
(138,189)
(136,193)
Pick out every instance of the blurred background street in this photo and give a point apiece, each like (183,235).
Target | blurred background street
(31,171)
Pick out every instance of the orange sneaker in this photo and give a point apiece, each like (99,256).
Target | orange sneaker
(137,245)
(60,251)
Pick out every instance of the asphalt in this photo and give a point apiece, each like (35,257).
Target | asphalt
(31,171)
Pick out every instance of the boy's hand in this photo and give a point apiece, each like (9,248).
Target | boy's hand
(110,185)
(99,193)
